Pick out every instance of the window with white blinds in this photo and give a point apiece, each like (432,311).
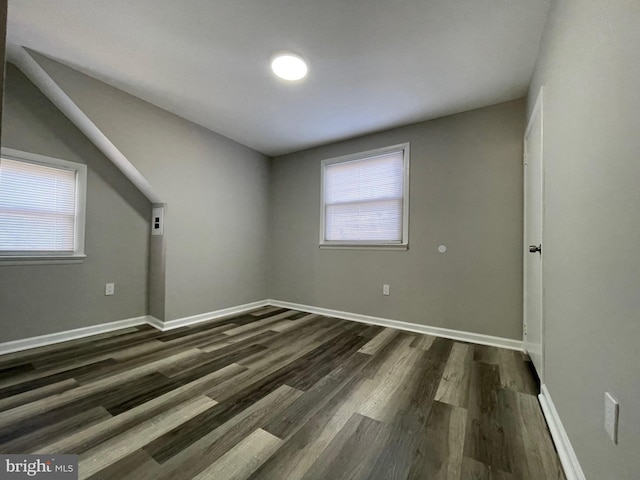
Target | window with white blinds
(41,206)
(365,199)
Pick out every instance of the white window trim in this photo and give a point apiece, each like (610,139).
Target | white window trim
(46,258)
(365,245)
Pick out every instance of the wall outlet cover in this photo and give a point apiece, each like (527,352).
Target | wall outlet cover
(110,289)
(611,410)
(157,221)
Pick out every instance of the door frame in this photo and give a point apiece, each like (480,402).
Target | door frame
(538,109)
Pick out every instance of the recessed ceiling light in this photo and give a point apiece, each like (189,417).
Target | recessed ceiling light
(289,66)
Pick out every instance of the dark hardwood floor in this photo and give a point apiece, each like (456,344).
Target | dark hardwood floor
(277,394)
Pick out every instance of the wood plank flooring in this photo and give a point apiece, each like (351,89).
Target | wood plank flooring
(277,394)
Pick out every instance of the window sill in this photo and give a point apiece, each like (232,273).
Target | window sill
(10,260)
(361,246)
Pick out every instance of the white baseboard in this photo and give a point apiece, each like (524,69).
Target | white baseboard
(410,327)
(52,338)
(155,322)
(204,317)
(43,340)
(567,455)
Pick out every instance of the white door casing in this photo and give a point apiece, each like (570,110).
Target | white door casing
(533,314)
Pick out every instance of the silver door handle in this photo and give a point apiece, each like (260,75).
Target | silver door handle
(535,248)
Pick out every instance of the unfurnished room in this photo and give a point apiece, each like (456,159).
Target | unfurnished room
(330,239)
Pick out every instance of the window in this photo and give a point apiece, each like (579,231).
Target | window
(42,203)
(365,200)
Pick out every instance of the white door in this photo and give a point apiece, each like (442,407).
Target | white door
(533,248)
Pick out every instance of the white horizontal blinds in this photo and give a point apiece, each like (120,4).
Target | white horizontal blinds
(37,207)
(363,199)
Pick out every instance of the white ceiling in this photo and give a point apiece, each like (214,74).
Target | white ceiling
(373,64)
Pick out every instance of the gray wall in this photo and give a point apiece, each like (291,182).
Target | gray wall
(590,66)
(36,300)
(216,192)
(465,192)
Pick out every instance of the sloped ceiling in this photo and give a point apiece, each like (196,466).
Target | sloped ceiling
(373,64)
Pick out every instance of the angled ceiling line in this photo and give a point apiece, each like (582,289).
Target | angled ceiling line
(373,65)
(21,58)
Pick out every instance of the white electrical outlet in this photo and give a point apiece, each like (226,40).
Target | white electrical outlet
(110,289)
(385,289)
(611,410)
